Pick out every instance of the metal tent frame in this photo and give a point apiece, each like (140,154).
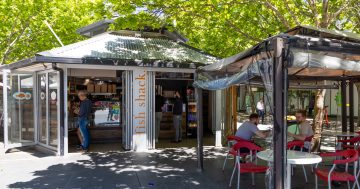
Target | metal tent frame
(302,53)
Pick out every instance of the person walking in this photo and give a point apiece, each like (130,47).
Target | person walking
(159,104)
(260,108)
(84,113)
(177,115)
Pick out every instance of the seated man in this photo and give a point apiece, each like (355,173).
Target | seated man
(305,129)
(249,129)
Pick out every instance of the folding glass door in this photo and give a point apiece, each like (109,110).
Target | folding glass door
(48,109)
(18,114)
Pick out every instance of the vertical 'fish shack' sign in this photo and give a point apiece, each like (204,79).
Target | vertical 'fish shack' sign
(139,110)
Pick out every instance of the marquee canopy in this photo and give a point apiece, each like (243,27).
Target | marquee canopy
(311,53)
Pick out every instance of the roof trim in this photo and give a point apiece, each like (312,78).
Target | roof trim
(103,61)
(39,59)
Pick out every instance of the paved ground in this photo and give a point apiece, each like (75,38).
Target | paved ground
(168,168)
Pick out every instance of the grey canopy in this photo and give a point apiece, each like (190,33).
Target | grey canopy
(310,53)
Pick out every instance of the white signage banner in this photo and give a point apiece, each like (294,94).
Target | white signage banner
(139,110)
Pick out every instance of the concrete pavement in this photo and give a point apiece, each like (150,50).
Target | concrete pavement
(167,168)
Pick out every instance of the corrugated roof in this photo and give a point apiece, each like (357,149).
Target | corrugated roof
(132,46)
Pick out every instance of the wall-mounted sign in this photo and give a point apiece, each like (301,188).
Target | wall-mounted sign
(22,95)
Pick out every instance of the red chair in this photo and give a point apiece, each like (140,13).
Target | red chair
(247,167)
(299,144)
(231,140)
(353,143)
(349,156)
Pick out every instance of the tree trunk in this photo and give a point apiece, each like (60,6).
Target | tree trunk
(318,119)
(252,100)
(242,94)
(358,105)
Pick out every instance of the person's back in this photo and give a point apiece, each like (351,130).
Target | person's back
(178,106)
(246,130)
(85,108)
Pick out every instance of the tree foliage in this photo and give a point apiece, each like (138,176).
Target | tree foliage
(23,32)
(226,27)
(220,27)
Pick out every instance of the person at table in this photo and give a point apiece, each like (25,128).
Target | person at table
(248,129)
(304,127)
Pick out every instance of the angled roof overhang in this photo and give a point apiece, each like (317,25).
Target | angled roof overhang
(124,48)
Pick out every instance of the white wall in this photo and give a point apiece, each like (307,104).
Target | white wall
(330,101)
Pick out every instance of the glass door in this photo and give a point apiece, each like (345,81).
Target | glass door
(18,112)
(48,109)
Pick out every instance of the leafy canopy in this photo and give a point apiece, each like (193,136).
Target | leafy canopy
(220,27)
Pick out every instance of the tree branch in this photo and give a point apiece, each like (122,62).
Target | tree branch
(314,11)
(8,49)
(277,13)
(296,20)
(339,11)
(325,14)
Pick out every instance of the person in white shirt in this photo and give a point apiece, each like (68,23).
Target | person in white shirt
(260,109)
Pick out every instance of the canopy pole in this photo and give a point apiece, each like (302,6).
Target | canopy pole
(200,150)
(279,105)
(351,105)
(343,107)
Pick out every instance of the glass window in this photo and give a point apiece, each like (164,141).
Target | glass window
(27,108)
(53,109)
(13,97)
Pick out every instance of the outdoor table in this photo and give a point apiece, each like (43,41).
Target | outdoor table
(293,158)
(263,127)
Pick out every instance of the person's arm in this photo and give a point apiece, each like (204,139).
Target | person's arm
(297,137)
(305,131)
(261,134)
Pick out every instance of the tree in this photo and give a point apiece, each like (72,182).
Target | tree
(23,32)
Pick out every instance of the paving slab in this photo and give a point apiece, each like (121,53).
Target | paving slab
(173,168)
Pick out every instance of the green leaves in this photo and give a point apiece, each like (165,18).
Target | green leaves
(226,27)
(220,27)
(23,32)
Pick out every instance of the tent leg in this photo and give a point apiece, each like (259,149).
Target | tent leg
(351,107)
(199,114)
(343,107)
(279,113)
